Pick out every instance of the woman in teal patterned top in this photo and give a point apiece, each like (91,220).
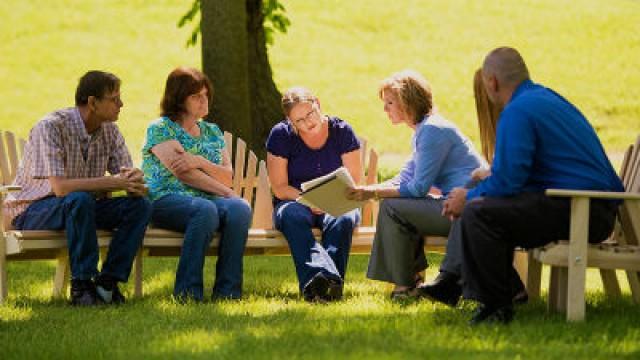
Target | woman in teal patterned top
(188,171)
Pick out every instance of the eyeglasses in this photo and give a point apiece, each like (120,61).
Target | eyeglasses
(307,117)
(115,99)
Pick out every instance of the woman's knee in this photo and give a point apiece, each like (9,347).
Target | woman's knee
(239,210)
(293,213)
(344,224)
(204,214)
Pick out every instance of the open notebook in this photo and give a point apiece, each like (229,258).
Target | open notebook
(328,193)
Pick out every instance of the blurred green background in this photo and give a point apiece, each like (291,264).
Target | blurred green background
(587,50)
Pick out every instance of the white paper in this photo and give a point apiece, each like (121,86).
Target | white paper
(328,193)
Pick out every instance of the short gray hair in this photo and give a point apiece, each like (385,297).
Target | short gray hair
(507,65)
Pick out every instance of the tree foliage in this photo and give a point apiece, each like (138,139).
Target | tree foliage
(275,20)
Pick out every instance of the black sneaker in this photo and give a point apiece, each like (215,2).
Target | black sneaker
(336,288)
(317,289)
(108,291)
(520,298)
(444,288)
(83,293)
(492,314)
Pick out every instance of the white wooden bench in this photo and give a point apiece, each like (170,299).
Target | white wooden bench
(250,182)
(570,259)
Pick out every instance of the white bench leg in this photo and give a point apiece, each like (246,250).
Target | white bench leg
(61,279)
(610,283)
(4,287)
(137,274)
(558,289)
(534,276)
(578,240)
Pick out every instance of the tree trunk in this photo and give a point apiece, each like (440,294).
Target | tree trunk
(246,101)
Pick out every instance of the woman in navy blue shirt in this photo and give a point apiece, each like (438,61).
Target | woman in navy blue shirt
(306,145)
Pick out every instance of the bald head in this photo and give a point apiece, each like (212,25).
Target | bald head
(506,65)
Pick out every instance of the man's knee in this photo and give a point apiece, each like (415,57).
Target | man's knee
(140,206)
(472,211)
(79,200)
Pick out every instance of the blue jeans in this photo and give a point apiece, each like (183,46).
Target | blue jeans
(310,257)
(80,214)
(200,219)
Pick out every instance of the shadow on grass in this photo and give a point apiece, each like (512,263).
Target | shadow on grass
(272,322)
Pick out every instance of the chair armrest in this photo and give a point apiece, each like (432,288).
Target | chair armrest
(593,194)
(5,189)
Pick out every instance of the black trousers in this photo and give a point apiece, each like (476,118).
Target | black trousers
(492,227)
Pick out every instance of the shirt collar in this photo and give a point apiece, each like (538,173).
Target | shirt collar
(77,124)
(525,85)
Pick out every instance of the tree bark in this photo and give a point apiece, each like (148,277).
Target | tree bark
(246,101)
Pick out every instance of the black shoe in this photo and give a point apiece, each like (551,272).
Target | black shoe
(444,288)
(317,289)
(491,314)
(521,298)
(336,288)
(83,293)
(215,297)
(108,291)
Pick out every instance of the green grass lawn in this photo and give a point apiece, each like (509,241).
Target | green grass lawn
(587,50)
(272,322)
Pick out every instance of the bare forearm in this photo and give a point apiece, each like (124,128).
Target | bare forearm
(202,181)
(286,192)
(62,187)
(222,174)
(386,192)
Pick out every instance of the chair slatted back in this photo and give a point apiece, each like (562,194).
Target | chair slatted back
(249,181)
(12,152)
(370,209)
(238,165)
(263,207)
(632,183)
(4,163)
(629,214)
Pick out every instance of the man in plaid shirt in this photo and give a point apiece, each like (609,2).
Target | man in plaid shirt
(65,186)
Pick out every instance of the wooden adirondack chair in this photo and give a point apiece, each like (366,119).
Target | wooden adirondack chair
(570,259)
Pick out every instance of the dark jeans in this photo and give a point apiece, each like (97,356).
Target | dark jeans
(310,257)
(200,219)
(80,214)
(493,227)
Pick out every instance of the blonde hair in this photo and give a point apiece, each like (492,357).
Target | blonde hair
(413,93)
(488,114)
(294,96)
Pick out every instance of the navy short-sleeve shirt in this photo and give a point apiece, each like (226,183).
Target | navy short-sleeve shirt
(304,163)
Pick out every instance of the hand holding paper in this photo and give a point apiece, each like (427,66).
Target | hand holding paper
(329,193)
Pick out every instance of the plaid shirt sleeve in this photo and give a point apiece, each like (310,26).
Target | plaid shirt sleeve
(120,156)
(47,151)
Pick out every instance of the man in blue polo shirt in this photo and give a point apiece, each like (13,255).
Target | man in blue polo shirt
(542,142)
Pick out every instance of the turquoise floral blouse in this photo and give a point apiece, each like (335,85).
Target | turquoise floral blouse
(159,179)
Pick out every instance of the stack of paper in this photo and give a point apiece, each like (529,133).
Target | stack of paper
(328,193)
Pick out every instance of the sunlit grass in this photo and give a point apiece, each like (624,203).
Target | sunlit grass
(587,50)
(272,321)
